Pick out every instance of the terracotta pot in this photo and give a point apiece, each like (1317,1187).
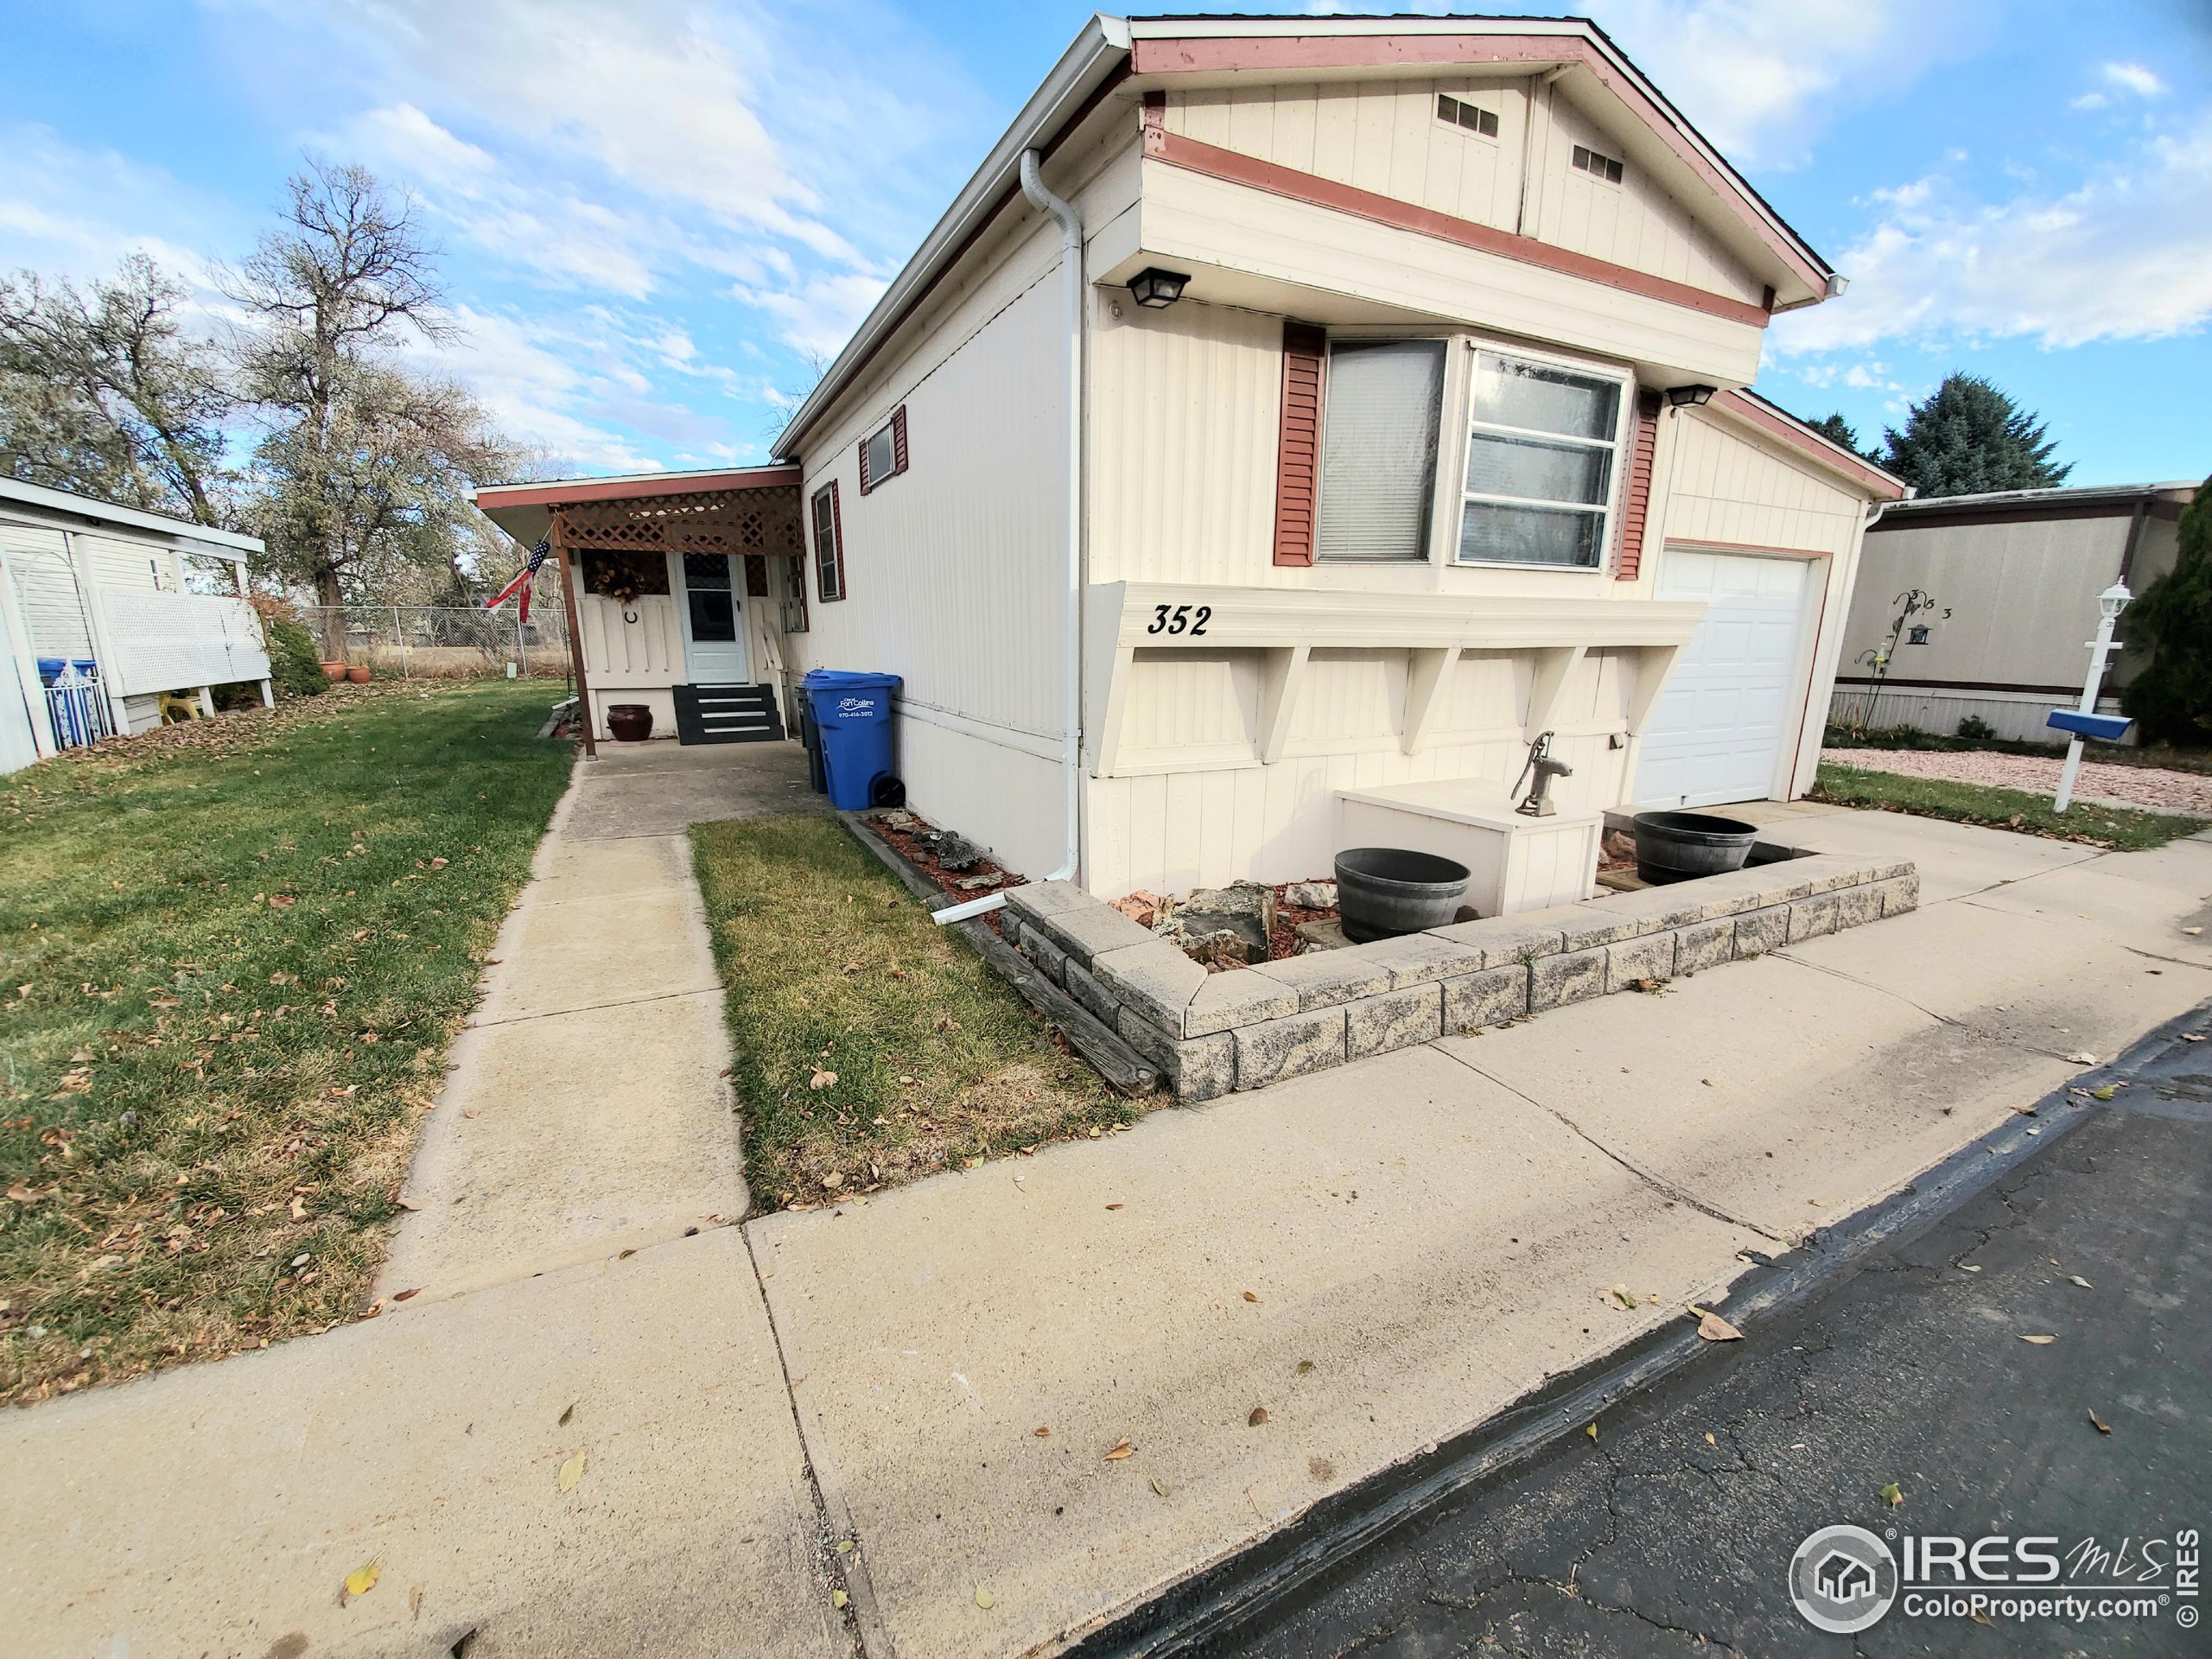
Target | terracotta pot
(359,674)
(630,722)
(333,671)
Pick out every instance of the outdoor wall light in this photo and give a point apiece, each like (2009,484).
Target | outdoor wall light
(2114,600)
(1687,397)
(1156,288)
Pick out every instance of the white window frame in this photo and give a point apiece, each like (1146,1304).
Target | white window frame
(1624,411)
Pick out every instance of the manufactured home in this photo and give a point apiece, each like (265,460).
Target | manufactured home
(105,609)
(1980,608)
(1292,422)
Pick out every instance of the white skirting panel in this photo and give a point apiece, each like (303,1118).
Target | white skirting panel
(1171,831)
(1005,799)
(2019,715)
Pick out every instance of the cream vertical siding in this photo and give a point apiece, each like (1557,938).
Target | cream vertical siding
(953,569)
(1635,222)
(1386,137)
(620,653)
(1227,817)
(1379,135)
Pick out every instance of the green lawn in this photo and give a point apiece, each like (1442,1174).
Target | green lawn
(872,1046)
(232,957)
(2120,828)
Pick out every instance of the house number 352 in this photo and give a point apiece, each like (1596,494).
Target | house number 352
(1181,619)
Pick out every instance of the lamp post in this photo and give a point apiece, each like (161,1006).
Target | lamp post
(2110,604)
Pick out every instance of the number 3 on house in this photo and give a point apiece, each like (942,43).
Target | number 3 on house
(1180,620)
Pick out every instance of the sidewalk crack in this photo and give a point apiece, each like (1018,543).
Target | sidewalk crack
(848,1570)
(715,989)
(1657,1183)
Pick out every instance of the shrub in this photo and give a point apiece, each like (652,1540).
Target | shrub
(1976,729)
(295,663)
(2171,698)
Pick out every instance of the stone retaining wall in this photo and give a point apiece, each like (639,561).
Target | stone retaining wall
(1211,1034)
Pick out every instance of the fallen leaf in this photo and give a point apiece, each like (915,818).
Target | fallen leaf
(1624,1295)
(844,1546)
(983,1598)
(2040,1341)
(838,1599)
(2193,932)
(2077,1279)
(1161,1486)
(1964,1267)
(1714,1328)
(1249,1296)
(1042,1433)
(1592,1431)
(946,1022)
(299,1208)
(2102,1427)
(362,1579)
(2082,1059)
(1891,1496)
(1113,1206)
(1304,1366)
(835,1178)
(572,1471)
(1259,1415)
(402,1296)
(1709,1440)
(405,1202)
(566,1415)
(1122,1449)
(415,1601)
(437,863)
(2106,1092)
(821,1079)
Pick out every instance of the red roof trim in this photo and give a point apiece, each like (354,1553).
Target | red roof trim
(1748,406)
(574,492)
(1236,167)
(1294,53)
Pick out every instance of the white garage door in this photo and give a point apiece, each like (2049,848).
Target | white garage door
(1734,699)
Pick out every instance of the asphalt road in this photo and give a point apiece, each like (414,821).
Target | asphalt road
(1672,1533)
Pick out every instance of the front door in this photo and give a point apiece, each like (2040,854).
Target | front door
(713,630)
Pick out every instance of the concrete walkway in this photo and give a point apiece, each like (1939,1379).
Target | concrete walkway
(1265,1298)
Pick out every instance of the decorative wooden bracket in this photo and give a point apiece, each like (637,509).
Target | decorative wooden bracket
(1428,681)
(1555,666)
(1654,664)
(1284,677)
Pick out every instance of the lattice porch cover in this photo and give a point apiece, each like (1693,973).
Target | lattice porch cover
(707,521)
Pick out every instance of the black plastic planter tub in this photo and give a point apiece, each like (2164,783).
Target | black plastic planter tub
(1384,892)
(1682,846)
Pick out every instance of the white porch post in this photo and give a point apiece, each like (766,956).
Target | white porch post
(2110,604)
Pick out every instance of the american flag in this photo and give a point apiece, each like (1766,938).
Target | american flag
(537,557)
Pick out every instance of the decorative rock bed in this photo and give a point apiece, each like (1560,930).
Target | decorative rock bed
(1213,1032)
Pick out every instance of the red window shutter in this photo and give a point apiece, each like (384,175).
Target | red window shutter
(867,483)
(1636,500)
(899,439)
(1298,451)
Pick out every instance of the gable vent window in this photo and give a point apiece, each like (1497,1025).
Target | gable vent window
(1472,117)
(1378,451)
(883,453)
(1597,166)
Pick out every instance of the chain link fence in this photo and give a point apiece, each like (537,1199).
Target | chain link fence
(443,642)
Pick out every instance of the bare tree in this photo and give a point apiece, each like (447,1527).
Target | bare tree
(106,394)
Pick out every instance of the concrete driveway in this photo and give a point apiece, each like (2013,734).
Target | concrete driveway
(1262,1300)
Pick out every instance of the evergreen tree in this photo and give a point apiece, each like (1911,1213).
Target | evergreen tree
(1970,438)
(2171,698)
(1836,430)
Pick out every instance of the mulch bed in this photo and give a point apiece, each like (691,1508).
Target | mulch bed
(909,836)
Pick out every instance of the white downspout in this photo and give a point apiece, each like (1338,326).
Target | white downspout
(1032,186)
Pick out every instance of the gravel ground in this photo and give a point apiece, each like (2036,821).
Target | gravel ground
(2137,786)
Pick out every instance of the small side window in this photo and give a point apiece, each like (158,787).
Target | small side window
(883,451)
(1456,112)
(1598,166)
(829,544)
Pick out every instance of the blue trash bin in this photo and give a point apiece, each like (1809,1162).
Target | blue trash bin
(852,713)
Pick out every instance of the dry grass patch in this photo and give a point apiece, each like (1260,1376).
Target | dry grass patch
(232,958)
(871,1046)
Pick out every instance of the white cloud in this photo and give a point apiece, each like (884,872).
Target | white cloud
(2136,79)
(1760,80)
(2128,255)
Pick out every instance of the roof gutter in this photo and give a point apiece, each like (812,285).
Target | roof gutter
(1099,52)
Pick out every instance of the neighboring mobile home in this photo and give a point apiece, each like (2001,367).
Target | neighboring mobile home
(1291,422)
(2008,585)
(106,608)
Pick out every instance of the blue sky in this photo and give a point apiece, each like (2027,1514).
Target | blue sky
(656,214)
